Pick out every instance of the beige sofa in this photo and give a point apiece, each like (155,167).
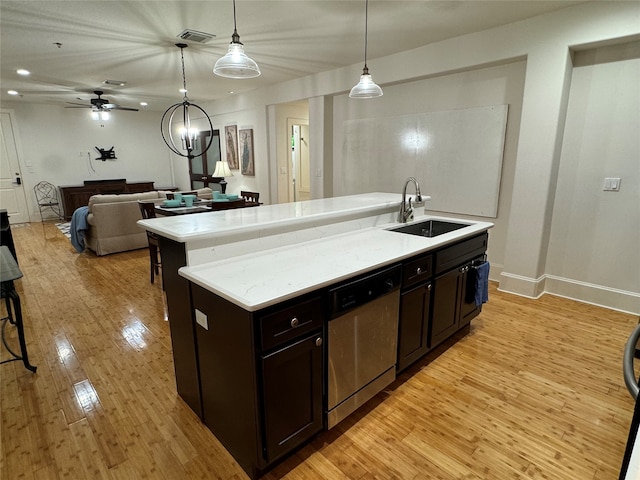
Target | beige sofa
(112,220)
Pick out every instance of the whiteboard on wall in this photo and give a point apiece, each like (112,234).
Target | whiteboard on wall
(456,156)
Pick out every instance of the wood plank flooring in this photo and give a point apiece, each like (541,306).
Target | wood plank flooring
(535,390)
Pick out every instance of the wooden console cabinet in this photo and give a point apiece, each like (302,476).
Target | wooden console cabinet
(77,196)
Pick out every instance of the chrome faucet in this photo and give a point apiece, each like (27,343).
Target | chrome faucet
(406,212)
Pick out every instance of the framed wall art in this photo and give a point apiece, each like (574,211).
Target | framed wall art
(231,142)
(246,152)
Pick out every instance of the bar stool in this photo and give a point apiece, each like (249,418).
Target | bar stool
(9,272)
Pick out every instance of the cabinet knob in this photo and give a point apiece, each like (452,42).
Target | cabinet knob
(294,322)
(429,287)
(418,271)
(318,341)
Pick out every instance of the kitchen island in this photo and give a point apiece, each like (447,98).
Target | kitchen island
(253,309)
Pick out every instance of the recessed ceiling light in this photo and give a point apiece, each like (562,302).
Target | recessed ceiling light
(12,92)
(144,104)
(119,83)
(22,71)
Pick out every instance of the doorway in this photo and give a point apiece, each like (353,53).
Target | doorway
(299,171)
(12,194)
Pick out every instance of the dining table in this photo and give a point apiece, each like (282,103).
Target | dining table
(202,206)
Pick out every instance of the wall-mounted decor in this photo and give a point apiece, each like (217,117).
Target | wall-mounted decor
(246,152)
(231,139)
(106,154)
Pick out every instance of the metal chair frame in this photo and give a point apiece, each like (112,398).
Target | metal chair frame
(47,197)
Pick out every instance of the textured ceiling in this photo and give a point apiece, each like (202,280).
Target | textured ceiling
(71,47)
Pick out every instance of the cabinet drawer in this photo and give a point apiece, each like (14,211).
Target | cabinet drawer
(455,255)
(417,270)
(290,322)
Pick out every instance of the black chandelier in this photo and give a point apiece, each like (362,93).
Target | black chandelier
(188,135)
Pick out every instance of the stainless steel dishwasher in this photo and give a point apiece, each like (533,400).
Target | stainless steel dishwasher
(361,341)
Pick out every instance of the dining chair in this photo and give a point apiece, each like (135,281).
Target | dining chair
(252,198)
(148,210)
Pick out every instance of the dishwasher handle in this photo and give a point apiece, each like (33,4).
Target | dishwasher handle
(365,289)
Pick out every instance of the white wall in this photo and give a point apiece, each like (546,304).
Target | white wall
(594,243)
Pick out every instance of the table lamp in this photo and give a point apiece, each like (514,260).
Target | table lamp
(222,170)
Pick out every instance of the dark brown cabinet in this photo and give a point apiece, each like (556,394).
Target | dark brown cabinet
(454,289)
(76,196)
(413,327)
(292,395)
(261,375)
(415,310)
(446,308)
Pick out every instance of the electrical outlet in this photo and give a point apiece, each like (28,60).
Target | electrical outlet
(202,320)
(611,184)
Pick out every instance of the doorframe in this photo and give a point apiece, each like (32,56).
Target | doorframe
(17,138)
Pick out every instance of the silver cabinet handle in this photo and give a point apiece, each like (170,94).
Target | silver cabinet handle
(418,271)
(294,322)
(318,341)
(429,287)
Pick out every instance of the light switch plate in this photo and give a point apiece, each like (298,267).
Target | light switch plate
(611,184)
(202,320)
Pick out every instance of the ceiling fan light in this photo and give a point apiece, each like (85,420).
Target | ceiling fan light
(236,63)
(105,115)
(366,87)
(95,115)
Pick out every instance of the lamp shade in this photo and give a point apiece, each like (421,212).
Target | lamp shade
(236,63)
(222,169)
(366,87)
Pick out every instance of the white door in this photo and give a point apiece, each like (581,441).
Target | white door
(299,173)
(303,184)
(12,192)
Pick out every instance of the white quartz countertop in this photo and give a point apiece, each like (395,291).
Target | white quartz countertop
(185,228)
(257,280)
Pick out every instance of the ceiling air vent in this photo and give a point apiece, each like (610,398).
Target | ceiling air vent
(196,36)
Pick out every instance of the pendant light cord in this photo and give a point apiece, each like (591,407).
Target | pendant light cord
(234,16)
(184,77)
(366,31)
(235,38)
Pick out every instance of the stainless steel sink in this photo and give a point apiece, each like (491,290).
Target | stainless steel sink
(429,228)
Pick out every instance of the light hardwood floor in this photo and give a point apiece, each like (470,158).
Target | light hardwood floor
(534,391)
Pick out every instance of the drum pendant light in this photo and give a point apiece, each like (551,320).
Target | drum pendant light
(236,63)
(171,124)
(366,87)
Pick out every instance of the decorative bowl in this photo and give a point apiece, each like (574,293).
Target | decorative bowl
(171,203)
(189,199)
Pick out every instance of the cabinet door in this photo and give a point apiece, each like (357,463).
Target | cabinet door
(292,393)
(468,308)
(413,327)
(446,295)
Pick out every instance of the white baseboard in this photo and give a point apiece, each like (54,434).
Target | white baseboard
(621,300)
(615,299)
(525,286)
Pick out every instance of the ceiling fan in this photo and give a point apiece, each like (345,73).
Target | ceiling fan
(101,104)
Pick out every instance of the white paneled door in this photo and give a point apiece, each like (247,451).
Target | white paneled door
(12,190)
